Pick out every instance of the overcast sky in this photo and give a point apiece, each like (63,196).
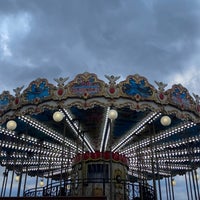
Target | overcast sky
(59,38)
(159,39)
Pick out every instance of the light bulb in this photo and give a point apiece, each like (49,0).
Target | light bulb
(165,120)
(11,125)
(112,114)
(58,116)
(41,183)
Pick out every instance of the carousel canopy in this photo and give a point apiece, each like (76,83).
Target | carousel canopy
(45,126)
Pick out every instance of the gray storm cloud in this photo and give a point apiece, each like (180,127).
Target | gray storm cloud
(49,38)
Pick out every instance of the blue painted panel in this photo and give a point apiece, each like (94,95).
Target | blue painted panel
(38,92)
(132,88)
(4,102)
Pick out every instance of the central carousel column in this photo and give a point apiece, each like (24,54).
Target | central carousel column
(96,167)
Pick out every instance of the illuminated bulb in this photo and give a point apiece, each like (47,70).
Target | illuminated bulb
(17,177)
(58,116)
(112,114)
(173,182)
(41,183)
(11,125)
(165,120)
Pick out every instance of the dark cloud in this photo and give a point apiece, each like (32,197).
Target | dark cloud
(51,38)
(155,38)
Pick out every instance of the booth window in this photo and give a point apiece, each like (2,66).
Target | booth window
(97,172)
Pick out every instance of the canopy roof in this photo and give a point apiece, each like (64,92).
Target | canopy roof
(41,145)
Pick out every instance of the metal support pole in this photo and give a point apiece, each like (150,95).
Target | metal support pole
(83,137)
(172,188)
(194,184)
(49,172)
(169,187)
(25,179)
(153,172)
(51,182)
(61,170)
(68,163)
(111,181)
(104,173)
(26,165)
(197,184)
(186,184)
(19,184)
(191,193)
(1,150)
(166,187)
(5,185)
(36,182)
(11,183)
(157,167)
(190,160)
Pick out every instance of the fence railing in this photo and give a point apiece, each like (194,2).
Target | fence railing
(131,191)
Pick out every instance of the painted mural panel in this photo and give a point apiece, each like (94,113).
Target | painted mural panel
(134,87)
(180,96)
(86,85)
(37,90)
(4,101)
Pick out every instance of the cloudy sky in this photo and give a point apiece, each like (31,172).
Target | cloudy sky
(159,39)
(59,38)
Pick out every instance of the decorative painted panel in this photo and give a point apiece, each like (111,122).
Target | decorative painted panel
(137,86)
(37,90)
(135,92)
(86,85)
(4,100)
(181,97)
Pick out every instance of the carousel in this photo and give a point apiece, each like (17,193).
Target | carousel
(89,138)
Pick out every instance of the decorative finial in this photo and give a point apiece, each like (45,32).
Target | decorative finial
(112,79)
(18,90)
(197,98)
(61,81)
(161,86)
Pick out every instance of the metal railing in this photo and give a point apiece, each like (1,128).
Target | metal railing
(129,190)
